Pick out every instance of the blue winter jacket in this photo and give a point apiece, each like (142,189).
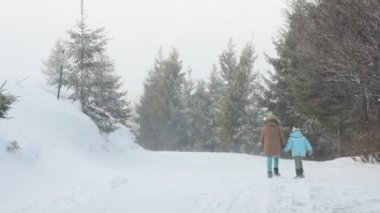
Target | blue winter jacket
(298,143)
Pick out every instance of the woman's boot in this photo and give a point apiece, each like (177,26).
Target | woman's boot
(270,174)
(276,172)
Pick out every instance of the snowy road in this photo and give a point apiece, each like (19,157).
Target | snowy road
(65,166)
(145,182)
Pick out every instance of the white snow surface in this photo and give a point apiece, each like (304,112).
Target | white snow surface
(65,165)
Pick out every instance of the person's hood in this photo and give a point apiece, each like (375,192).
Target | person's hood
(296,134)
(271,122)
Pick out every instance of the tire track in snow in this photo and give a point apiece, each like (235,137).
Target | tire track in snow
(368,199)
(286,195)
(324,197)
(265,201)
(227,198)
(236,199)
(302,200)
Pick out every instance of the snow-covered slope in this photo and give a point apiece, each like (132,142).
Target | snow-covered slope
(39,119)
(57,142)
(64,165)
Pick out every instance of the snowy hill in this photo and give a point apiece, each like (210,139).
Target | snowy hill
(65,165)
(39,119)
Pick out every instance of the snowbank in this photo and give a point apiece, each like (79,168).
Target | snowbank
(58,146)
(40,120)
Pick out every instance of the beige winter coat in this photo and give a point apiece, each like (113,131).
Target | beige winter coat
(272,137)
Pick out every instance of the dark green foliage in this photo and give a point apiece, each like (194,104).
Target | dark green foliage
(6,100)
(201,119)
(241,116)
(161,113)
(328,69)
(176,113)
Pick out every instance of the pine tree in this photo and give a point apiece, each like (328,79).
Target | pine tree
(216,90)
(162,111)
(93,80)
(188,99)
(83,49)
(278,97)
(90,76)
(52,66)
(152,112)
(339,57)
(228,65)
(174,81)
(302,90)
(246,101)
(202,119)
(239,105)
(107,106)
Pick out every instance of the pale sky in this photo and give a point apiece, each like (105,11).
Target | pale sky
(199,29)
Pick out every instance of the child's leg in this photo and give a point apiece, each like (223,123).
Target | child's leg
(269,163)
(298,162)
(299,169)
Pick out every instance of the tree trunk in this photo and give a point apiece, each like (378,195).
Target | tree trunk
(338,153)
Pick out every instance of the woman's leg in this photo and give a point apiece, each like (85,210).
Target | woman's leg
(276,162)
(269,166)
(269,163)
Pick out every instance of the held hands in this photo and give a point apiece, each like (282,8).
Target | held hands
(283,147)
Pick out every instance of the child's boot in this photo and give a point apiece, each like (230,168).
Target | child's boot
(276,172)
(297,173)
(301,173)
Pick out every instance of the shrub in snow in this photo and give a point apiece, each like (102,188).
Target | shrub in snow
(376,157)
(6,101)
(370,158)
(13,147)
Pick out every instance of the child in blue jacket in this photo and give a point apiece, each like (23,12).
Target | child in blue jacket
(299,145)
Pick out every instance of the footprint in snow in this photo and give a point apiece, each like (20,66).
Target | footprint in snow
(117,182)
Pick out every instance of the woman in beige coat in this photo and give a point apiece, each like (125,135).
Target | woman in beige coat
(272,138)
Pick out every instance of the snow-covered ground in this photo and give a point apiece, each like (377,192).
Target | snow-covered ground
(65,165)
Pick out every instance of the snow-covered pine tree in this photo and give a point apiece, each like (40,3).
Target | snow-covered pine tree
(92,78)
(107,105)
(162,112)
(246,101)
(216,90)
(83,49)
(240,111)
(176,134)
(52,66)
(230,127)
(189,87)
(152,111)
(6,101)
(202,119)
